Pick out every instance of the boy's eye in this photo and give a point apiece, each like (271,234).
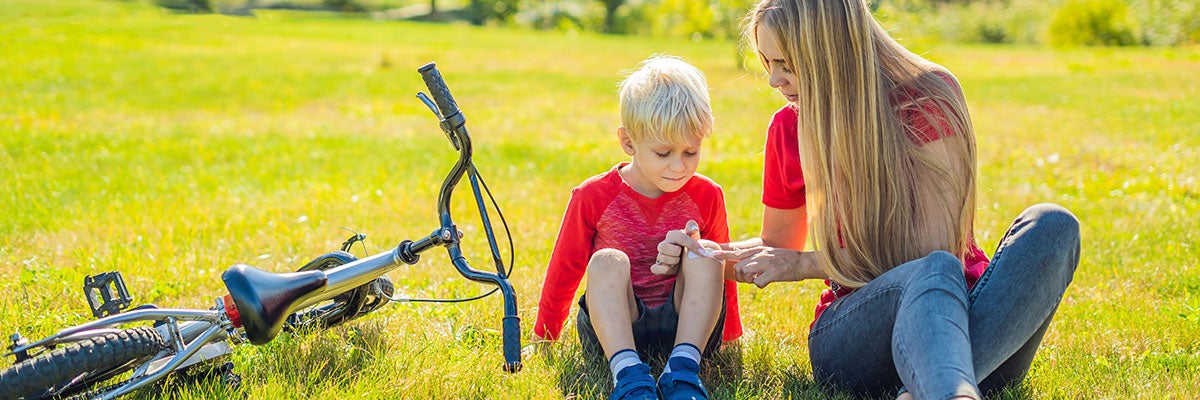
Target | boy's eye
(690,153)
(662,155)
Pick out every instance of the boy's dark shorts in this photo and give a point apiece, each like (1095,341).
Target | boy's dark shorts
(653,330)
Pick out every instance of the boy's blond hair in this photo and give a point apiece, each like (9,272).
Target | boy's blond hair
(665,99)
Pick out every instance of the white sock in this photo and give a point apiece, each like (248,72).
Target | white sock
(685,350)
(623,358)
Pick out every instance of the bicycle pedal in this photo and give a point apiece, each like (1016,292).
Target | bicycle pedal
(106,293)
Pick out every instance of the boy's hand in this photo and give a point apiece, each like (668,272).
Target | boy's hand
(671,250)
(537,346)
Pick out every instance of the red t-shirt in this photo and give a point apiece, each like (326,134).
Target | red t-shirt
(783,183)
(605,212)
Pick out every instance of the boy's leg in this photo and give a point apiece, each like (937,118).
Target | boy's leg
(612,308)
(698,297)
(611,304)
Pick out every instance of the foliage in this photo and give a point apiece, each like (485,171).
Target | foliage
(193,6)
(1092,23)
(500,11)
(983,21)
(349,6)
(1167,22)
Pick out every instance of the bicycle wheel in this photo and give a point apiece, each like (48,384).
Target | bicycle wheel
(76,367)
(346,306)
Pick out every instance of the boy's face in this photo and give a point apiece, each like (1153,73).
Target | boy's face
(659,167)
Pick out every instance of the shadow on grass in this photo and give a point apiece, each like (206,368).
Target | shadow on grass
(334,356)
(728,374)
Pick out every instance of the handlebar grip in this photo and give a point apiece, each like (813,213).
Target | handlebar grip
(512,343)
(439,91)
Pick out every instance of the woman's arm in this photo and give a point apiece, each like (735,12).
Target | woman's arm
(778,256)
(785,228)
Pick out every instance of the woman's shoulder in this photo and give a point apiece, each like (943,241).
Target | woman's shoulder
(786,115)
(927,113)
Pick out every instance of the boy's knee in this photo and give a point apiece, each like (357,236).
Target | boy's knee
(608,261)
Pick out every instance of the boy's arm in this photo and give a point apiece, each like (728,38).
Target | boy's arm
(568,263)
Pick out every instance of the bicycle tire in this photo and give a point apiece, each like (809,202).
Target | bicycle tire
(97,359)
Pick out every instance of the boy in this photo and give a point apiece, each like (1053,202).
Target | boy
(632,306)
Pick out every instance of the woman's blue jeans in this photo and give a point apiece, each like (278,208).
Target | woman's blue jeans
(917,327)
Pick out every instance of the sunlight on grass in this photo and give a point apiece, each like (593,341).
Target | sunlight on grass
(171,146)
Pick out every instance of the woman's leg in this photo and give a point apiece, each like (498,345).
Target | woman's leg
(906,327)
(1014,301)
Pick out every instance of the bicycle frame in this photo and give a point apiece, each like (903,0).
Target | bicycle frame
(258,301)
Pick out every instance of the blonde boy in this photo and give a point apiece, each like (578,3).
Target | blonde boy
(611,230)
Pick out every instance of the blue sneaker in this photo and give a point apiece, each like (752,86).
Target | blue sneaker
(683,382)
(634,382)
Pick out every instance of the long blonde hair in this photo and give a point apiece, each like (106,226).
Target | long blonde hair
(861,159)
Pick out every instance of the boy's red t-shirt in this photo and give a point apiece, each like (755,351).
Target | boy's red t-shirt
(605,212)
(783,183)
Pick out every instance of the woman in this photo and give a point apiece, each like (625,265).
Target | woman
(873,161)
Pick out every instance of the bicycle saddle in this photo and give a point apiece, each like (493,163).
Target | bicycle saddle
(264,298)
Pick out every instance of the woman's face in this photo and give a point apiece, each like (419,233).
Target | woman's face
(781,76)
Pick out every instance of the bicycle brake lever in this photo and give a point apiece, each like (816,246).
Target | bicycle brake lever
(437,113)
(429,103)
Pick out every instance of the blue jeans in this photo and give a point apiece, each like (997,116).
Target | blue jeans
(916,326)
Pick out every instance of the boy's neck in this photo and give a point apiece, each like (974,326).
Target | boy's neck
(632,177)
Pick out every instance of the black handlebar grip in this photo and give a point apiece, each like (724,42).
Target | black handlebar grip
(512,343)
(437,89)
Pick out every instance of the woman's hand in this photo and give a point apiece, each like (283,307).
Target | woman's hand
(762,265)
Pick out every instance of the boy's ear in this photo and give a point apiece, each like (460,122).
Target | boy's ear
(626,141)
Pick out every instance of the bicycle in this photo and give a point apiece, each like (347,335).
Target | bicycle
(329,290)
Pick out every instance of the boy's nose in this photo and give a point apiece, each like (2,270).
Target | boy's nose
(677,164)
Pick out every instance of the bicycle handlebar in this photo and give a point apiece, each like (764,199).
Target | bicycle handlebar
(437,88)
(453,124)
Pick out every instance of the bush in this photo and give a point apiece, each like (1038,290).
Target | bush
(1167,22)
(981,21)
(501,11)
(1092,23)
(192,6)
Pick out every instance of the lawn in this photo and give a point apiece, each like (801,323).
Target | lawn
(170,147)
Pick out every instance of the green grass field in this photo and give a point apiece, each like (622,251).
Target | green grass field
(170,147)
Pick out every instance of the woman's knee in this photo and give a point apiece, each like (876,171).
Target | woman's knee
(1057,228)
(940,270)
(1049,216)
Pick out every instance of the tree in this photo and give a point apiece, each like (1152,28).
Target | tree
(610,14)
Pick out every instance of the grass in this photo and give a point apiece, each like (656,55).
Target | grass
(172,146)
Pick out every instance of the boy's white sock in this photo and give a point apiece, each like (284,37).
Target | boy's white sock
(622,359)
(685,350)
